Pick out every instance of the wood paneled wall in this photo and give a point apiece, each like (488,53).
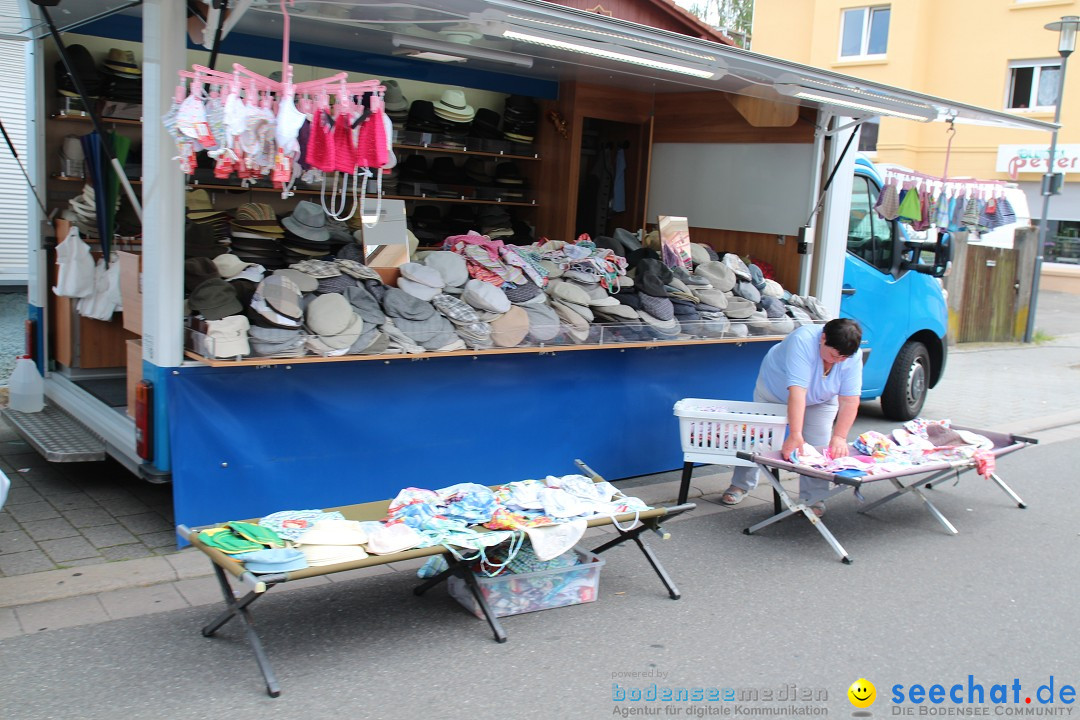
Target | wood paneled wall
(692,117)
(560,164)
(709,117)
(783,258)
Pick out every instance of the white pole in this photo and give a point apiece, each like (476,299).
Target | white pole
(164,53)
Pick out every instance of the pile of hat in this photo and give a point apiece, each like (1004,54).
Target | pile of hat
(519,119)
(83,211)
(256,235)
(309,234)
(395,104)
(86,70)
(121,77)
(206,233)
(485,128)
(456,114)
(510,183)
(449,118)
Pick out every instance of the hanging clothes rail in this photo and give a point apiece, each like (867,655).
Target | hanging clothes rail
(947,204)
(250,125)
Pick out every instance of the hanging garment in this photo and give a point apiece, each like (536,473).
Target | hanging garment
(320,146)
(75,272)
(988,215)
(957,205)
(1005,211)
(924,212)
(594,195)
(371,142)
(345,151)
(618,185)
(888,201)
(289,122)
(910,209)
(941,213)
(970,219)
(105,299)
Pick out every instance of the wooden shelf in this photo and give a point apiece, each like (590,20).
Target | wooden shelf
(452,151)
(543,350)
(86,119)
(398,146)
(68,178)
(297,191)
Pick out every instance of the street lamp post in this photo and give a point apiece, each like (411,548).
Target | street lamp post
(1066,28)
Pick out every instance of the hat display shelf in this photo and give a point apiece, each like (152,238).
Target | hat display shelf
(406,143)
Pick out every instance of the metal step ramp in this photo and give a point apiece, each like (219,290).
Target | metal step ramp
(57,436)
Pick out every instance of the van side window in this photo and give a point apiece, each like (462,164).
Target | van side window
(869,236)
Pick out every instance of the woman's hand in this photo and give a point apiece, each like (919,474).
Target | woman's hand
(792,442)
(838,447)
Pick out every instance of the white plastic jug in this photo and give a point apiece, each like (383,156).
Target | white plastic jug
(26,389)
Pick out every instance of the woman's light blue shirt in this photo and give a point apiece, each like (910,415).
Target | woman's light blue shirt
(797,361)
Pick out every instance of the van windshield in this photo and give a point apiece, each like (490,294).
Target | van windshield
(869,235)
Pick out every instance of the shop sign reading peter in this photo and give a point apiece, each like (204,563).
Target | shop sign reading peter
(1016,159)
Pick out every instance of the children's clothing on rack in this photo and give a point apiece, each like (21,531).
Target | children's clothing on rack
(952,204)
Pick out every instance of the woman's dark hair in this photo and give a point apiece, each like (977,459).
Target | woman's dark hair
(843,335)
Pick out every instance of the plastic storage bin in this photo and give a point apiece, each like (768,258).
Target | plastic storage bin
(513,594)
(712,431)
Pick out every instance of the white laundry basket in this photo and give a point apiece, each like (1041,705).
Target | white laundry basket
(712,431)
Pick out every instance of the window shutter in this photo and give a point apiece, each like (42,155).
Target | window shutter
(14,192)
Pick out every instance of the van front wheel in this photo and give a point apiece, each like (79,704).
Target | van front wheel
(905,391)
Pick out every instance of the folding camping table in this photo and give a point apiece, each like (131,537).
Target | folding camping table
(255,586)
(784,506)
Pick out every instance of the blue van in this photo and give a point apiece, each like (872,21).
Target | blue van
(892,287)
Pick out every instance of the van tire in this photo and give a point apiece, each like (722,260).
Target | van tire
(905,391)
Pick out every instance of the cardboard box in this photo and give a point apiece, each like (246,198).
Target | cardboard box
(134,373)
(131,290)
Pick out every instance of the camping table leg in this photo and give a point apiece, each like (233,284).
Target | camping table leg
(658,569)
(489,614)
(460,568)
(684,486)
(1008,490)
(914,489)
(237,607)
(800,508)
(881,501)
(646,551)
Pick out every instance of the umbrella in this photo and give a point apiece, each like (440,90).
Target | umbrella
(106,183)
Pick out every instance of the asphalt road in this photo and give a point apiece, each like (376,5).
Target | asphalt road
(758,613)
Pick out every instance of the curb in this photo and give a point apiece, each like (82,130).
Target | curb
(90,579)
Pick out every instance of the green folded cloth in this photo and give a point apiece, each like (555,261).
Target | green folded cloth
(227,541)
(256,533)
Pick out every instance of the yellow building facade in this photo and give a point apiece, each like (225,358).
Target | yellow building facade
(995,54)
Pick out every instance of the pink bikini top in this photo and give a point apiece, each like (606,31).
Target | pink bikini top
(320,147)
(345,156)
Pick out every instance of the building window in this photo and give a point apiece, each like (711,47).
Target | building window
(869,135)
(864,32)
(1033,84)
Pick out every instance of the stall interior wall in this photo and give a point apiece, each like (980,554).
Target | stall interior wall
(739,169)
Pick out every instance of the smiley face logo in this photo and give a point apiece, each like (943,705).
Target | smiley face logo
(862,693)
